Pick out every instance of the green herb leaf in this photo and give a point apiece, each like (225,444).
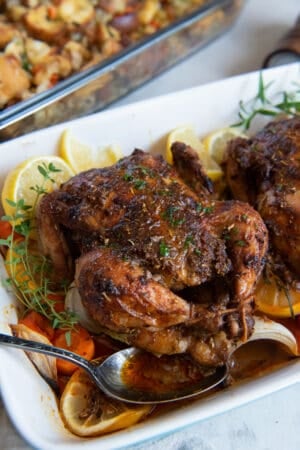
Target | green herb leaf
(68,337)
(188,241)
(28,269)
(163,249)
(139,184)
(261,105)
(171,215)
(240,243)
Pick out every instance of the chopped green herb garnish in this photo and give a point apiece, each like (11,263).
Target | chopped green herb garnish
(279,187)
(163,249)
(172,217)
(204,209)
(188,241)
(139,184)
(127,176)
(164,192)
(240,243)
(146,171)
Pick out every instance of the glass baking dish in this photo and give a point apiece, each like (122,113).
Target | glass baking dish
(93,89)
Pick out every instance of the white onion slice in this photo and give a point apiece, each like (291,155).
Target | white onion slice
(73,303)
(46,365)
(265,328)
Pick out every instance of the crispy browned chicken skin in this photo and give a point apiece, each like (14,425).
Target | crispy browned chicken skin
(265,171)
(142,239)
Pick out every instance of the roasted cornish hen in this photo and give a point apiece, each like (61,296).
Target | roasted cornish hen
(169,268)
(265,171)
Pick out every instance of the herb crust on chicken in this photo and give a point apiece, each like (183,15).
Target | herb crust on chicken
(172,269)
(265,172)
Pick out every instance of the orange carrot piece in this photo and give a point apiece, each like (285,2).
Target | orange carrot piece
(78,341)
(38,323)
(59,301)
(5,229)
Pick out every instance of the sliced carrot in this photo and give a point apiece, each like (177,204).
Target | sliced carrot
(59,301)
(38,323)
(5,229)
(78,341)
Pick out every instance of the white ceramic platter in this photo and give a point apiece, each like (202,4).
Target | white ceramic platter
(27,398)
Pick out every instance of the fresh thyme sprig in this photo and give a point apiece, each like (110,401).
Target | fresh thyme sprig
(284,102)
(30,272)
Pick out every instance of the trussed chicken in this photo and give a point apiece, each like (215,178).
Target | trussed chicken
(172,270)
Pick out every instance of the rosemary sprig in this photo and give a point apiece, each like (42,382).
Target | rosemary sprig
(269,277)
(284,288)
(30,272)
(284,102)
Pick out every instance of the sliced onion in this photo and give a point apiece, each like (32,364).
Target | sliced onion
(265,328)
(73,303)
(46,365)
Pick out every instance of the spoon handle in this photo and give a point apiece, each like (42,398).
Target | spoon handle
(38,347)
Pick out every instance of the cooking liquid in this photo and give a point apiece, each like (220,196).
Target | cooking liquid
(251,361)
(170,373)
(150,373)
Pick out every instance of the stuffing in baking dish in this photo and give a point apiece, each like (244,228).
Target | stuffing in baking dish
(44,41)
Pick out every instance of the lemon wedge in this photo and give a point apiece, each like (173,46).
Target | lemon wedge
(86,411)
(215,143)
(19,182)
(276,301)
(188,136)
(81,157)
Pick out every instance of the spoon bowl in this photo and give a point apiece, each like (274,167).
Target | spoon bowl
(112,382)
(108,374)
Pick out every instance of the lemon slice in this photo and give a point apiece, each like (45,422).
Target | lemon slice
(19,182)
(275,300)
(86,411)
(187,135)
(215,143)
(81,157)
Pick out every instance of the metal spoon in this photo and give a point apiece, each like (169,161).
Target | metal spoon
(108,374)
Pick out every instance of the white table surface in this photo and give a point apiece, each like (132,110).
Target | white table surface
(271,423)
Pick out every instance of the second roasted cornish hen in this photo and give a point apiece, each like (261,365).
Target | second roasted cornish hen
(265,171)
(167,267)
